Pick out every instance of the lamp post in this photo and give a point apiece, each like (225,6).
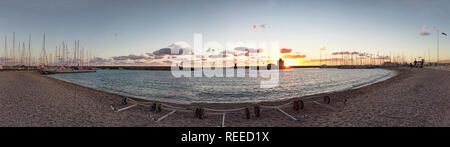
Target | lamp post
(437,41)
(438,38)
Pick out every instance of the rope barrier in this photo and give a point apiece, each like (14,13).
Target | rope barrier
(201,112)
(181,110)
(167,105)
(139,102)
(276,107)
(207,109)
(214,113)
(228,110)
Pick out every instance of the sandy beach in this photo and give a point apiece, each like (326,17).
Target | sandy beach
(415,97)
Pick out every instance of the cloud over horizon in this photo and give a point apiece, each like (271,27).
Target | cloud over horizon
(285,50)
(294,56)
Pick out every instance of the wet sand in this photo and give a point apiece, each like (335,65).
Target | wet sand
(415,97)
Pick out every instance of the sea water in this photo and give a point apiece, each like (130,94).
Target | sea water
(161,85)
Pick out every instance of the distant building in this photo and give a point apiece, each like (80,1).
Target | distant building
(281,64)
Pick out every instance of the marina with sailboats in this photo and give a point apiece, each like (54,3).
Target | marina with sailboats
(59,61)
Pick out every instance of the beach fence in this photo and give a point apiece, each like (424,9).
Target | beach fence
(200,112)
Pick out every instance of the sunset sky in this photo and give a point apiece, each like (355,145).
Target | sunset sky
(114,29)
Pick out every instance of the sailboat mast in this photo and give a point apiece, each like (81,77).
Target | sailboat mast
(56,56)
(59,56)
(82,56)
(18,51)
(13,52)
(75,53)
(29,52)
(63,46)
(23,54)
(79,52)
(45,62)
(66,56)
(6,53)
(67,48)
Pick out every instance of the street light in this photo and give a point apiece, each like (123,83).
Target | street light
(437,35)
(444,34)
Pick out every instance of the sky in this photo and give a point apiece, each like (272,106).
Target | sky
(112,29)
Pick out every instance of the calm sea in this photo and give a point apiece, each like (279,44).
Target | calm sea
(161,85)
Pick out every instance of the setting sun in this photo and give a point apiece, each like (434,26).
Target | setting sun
(291,62)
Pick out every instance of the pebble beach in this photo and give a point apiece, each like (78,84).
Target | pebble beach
(415,97)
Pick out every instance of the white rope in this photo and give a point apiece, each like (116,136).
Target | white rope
(228,110)
(315,102)
(276,107)
(121,109)
(288,115)
(284,105)
(214,113)
(141,104)
(309,96)
(188,111)
(161,118)
(223,120)
(325,106)
(269,107)
(181,110)
(167,105)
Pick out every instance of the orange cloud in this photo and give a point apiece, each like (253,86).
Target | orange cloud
(294,56)
(285,50)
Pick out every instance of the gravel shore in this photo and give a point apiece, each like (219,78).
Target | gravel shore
(415,97)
